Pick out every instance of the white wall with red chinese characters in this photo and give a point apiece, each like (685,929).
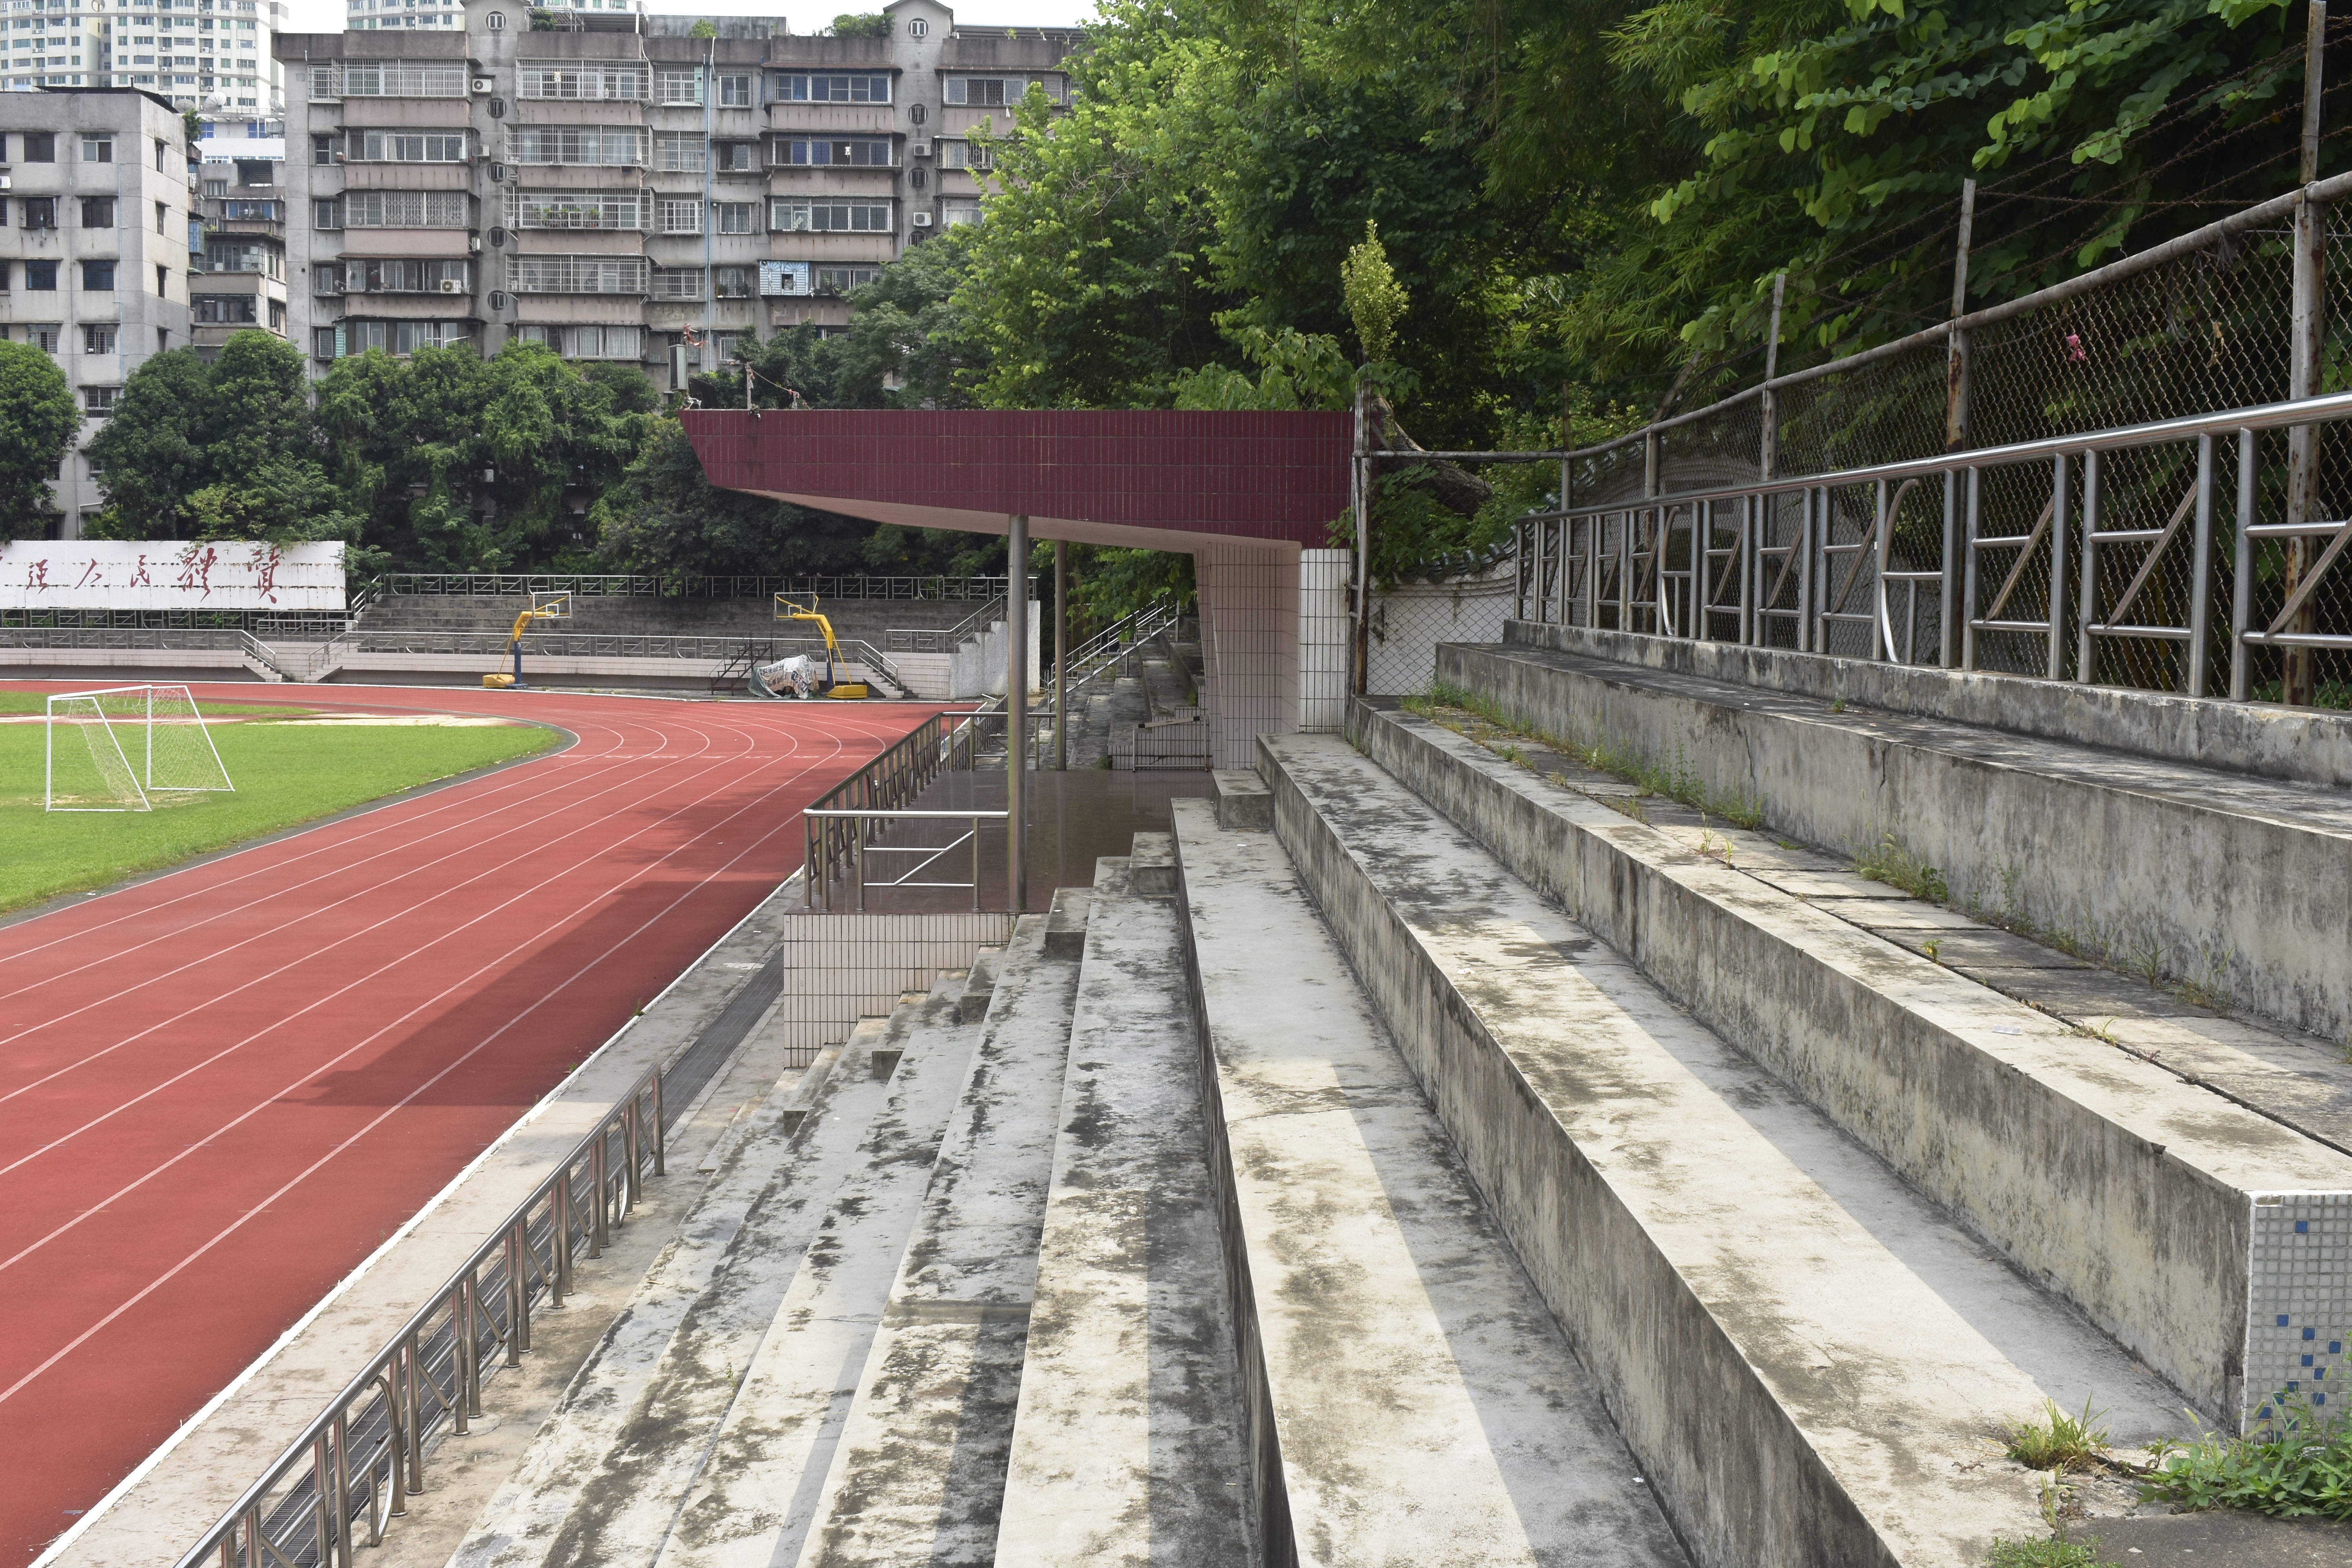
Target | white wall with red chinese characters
(170,574)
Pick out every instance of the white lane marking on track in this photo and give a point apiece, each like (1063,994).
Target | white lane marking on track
(536,886)
(704,881)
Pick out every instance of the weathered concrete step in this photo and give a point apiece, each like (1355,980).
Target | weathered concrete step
(605,1474)
(750,1472)
(1411,1402)
(2201,866)
(1127,1443)
(1694,1225)
(918,1476)
(2145,1199)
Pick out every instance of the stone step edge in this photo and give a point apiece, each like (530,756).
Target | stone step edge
(1739,1472)
(2143,1205)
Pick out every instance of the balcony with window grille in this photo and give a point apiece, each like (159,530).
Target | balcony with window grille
(580,275)
(386,79)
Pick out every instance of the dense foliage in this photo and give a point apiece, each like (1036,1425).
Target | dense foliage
(1556,208)
(37,421)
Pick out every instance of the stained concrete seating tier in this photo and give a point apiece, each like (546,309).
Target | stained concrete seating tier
(2235,881)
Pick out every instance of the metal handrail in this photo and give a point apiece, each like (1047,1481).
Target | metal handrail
(944,639)
(427,1377)
(945,741)
(1810,560)
(931,853)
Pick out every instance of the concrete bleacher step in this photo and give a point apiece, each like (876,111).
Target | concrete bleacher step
(2220,875)
(1811,1362)
(2177,1218)
(1410,1400)
(756,1479)
(1128,1444)
(918,1476)
(607,1476)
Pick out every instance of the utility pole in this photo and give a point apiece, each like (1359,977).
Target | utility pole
(2309,326)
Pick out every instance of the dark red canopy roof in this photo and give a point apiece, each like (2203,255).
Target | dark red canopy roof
(1147,478)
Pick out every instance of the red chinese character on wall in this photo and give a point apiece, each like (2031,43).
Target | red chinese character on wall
(36,575)
(265,571)
(196,565)
(139,578)
(92,576)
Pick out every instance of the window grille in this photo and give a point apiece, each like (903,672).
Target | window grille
(578,209)
(798,88)
(680,214)
(870,153)
(678,282)
(606,146)
(405,146)
(677,87)
(580,275)
(792,214)
(679,154)
(402,209)
(575,82)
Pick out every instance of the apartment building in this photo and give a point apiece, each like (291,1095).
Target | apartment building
(96,233)
(215,55)
(611,185)
(237,277)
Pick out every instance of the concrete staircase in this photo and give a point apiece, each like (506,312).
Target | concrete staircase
(1438,1152)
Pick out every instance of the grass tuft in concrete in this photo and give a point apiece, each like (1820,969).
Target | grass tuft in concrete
(1891,863)
(2056,1441)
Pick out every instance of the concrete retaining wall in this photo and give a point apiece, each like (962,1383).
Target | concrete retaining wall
(2253,738)
(2101,1175)
(2240,884)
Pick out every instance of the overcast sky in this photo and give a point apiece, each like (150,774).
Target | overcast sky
(327,15)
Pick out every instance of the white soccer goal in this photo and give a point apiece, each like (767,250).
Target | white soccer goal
(117,749)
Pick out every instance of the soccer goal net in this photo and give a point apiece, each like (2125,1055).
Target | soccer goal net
(120,749)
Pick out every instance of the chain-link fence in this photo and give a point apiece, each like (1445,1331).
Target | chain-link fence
(2071,565)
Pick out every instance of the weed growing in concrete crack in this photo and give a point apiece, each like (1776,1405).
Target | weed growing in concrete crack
(2060,1550)
(1465,713)
(1898,867)
(2105,1032)
(2293,1464)
(1837,704)
(2211,987)
(1625,805)
(1933,949)
(2057,1442)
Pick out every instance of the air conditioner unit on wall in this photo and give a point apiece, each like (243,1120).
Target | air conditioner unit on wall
(451,286)
(6,183)
(483,84)
(922,149)
(922,220)
(474,244)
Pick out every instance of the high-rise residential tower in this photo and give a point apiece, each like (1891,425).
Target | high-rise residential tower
(611,184)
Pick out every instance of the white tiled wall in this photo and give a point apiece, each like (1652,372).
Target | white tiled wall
(1249,599)
(1323,576)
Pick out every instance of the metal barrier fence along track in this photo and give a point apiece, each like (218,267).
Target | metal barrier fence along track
(627,585)
(2035,489)
(352,1471)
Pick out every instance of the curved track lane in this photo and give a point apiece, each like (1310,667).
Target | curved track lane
(222,1088)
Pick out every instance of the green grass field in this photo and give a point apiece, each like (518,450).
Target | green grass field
(285,774)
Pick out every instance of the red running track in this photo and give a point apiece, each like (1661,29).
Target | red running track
(220,1088)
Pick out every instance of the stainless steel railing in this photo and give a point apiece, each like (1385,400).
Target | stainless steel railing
(354,1468)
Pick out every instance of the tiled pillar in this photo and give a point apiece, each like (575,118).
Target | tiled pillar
(1249,601)
(1323,577)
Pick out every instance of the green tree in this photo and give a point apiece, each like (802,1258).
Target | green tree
(225,450)
(664,517)
(37,422)
(869,25)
